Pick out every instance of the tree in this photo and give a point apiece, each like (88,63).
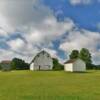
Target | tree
(74,54)
(57,65)
(97,67)
(85,55)
(0,66)
(19,64)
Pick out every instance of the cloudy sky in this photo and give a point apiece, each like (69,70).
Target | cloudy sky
(57,26)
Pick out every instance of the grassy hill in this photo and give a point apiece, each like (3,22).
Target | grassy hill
(49,85)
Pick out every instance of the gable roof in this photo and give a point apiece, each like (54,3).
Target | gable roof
(43,51)
(73,60)
(70,61)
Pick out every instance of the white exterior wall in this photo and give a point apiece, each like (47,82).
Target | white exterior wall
(68,67)
(79,65)
(6,67)
(32,66)
(42,62)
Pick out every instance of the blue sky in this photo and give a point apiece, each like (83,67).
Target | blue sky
(84,15)
(58,26)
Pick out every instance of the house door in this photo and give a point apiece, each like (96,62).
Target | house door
(48,67)
(39,67)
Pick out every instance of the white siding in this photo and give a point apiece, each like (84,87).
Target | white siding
(32,66)
(79,65)
(68,67)
(42,61)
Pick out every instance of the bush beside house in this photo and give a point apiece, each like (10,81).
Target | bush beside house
(57,65)
(0,66)
(19,64)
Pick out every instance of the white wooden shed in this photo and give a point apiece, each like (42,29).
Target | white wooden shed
(75,65)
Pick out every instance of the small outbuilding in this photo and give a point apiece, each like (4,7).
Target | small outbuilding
(42,61)
(75,65)
(6,65)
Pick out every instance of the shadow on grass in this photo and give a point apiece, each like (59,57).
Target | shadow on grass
(79,72)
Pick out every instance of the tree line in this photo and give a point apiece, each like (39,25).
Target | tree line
(19,64)
(85,55)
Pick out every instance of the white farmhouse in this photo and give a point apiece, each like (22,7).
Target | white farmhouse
(42,61)
(75,65)
(6,65)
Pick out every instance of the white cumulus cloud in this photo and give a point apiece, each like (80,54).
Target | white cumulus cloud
(82,39)
(36,23)
(78,2)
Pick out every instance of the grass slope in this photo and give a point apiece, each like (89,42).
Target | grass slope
(49,85)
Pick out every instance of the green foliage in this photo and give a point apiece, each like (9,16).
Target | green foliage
(90,66)
(57,65)
(19,64)
(0,66)
(74,54)
(96,67)
(85,55)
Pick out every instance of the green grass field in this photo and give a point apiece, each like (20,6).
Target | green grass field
(49,85)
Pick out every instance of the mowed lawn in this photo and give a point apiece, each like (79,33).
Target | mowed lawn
(49,85)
